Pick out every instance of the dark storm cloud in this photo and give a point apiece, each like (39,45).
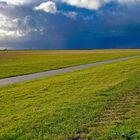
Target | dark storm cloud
(69,26)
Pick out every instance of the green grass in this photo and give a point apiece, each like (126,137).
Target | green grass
(99,103)
(13,63)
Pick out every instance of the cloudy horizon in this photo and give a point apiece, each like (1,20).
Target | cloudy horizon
(69,24)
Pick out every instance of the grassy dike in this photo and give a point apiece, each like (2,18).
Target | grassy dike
(13,63)
(100,103)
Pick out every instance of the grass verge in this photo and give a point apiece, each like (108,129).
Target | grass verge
(97,103)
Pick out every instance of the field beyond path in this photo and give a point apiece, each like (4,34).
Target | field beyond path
(15,63)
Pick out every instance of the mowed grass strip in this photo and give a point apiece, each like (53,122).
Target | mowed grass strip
(13,63)
(75,105)
(119,118)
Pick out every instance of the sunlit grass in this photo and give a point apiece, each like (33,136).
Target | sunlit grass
(96,103)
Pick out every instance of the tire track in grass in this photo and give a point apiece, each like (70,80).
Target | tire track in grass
(122,108)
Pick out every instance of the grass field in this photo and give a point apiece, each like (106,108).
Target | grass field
(101,103)
(13,63)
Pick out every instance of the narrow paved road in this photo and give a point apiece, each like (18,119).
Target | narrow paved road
(17,79)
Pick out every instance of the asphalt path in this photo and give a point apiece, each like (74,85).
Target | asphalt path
(28,77)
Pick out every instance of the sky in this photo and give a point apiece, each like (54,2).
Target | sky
(69,24)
